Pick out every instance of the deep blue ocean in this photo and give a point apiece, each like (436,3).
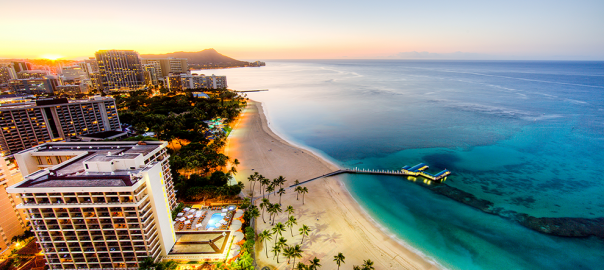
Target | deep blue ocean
(525,135)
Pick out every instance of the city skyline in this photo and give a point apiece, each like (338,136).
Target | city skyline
(337,30)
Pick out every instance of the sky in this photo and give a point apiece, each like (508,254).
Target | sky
(260,30)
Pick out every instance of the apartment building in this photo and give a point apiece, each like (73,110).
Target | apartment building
(13,222)
(165,66)
(27,124)
(195,81)
(102,205)
(119,70)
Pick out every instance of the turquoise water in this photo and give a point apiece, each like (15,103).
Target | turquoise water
(527,136)
(213,222)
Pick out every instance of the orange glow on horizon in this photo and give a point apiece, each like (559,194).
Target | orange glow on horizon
(51,56)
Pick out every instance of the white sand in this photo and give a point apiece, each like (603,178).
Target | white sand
(337,221)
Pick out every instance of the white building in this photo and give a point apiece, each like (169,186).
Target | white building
(98,205)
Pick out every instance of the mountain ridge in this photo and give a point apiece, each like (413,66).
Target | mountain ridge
(208,58)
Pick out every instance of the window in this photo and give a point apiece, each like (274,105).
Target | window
(48,161)
(86,166)
(59,160)
(39,160)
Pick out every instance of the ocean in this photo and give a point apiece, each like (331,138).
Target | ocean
(527,136)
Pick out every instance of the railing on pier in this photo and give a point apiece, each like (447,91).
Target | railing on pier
(417,170)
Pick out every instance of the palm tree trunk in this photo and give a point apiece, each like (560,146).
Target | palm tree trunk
(279,198)
(266,248)
(263,215)
(302,198)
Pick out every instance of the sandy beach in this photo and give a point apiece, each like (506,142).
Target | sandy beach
(337,222)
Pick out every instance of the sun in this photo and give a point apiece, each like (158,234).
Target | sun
(51,56)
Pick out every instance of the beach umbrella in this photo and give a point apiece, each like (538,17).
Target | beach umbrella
(237,236)
(236,225)
(233,253)
(238,214)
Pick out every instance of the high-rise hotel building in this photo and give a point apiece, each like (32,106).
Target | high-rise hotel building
(102,205)
(25,125)
(12,221)
(120,70)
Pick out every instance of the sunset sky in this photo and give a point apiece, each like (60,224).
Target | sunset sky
(306,29)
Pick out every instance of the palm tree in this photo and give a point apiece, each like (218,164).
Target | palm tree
(280,180)
(257,178)
(314,264)
(265,204)
(296,252)
(304,231)
(296,182)
(270,189)
(290,223)
(282,243)
(264,182)
(276,250)
(301,266)
(252,180)
(275,209)
(368,265)
(339,259)
(264,236)
(303,191)
(278,230)
(288,253)
(356,267)
(253,212)
(280,192)
(289,210)
(298,190)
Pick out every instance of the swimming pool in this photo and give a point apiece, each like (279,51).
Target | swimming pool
(213,222)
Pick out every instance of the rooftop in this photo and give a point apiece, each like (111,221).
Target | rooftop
(76,172)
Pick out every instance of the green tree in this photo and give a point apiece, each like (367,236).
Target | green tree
(339,259)
(264,236)
(304,190)
(298,190)
(280,181)
(301,266)
(265,182)
(276,250)
(275,209)
(296,252)
(280,192)
(314,264)
(278,229)
(265,205)
(304,232)
(270,188)
(288,253)
(252,180)
(146,264)
(289,210)
(291,221)
(368,265)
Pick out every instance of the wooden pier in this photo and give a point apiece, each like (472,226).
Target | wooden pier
(417,170)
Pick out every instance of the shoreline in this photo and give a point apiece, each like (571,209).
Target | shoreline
(348,229)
